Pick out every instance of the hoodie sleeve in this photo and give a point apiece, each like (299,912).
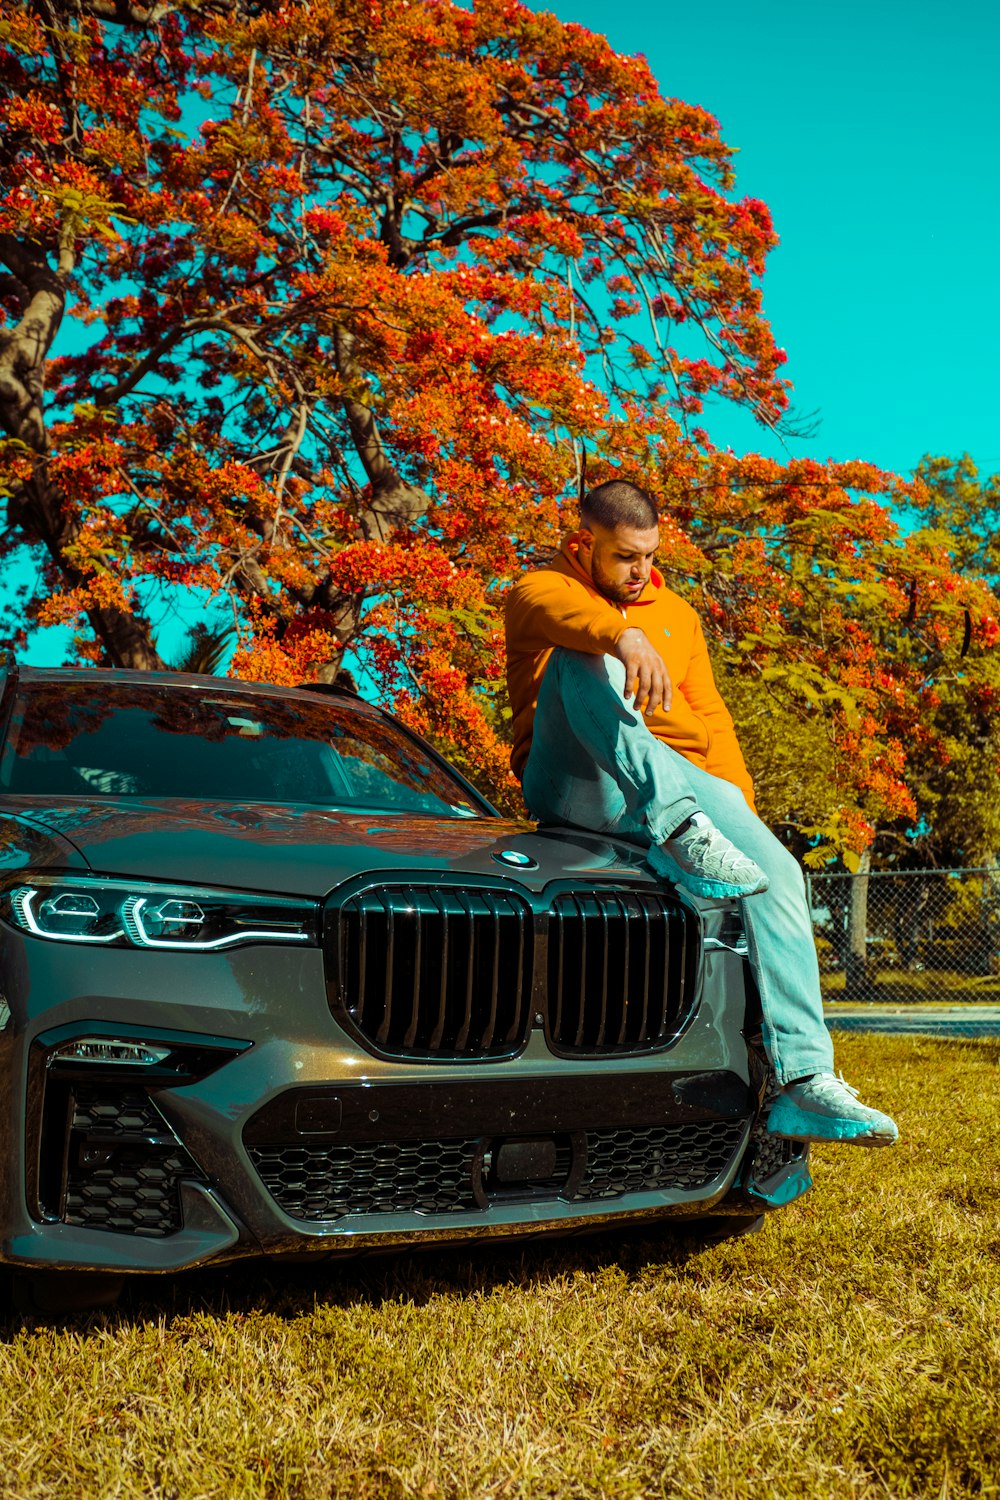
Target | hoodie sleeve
(724,757)
(546,609)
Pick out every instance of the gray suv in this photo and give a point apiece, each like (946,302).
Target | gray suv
(275,979)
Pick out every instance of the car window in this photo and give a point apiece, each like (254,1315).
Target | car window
(72,739)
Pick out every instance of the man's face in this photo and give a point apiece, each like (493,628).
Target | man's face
(618,559)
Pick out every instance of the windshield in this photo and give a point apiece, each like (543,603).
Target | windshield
(73,739)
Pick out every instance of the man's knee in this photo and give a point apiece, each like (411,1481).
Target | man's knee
(783,869)
(590,670)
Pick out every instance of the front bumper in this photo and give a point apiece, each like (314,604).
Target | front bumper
(300,1141)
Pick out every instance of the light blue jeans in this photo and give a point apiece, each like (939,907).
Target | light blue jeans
(593,763)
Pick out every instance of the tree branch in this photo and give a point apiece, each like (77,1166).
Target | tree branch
(24,348)
(395,502)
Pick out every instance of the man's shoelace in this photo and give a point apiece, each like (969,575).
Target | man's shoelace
(726,858)
(830,1084)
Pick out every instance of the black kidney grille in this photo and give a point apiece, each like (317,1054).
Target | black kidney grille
(623,971)
(326,1182)
(435,971)
(661,1156)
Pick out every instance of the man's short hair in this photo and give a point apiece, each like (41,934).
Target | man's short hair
(618,503)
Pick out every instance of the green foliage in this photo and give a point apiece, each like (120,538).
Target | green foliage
(954,758)
(205,650)
(790,755)
(800,687)
(964,510)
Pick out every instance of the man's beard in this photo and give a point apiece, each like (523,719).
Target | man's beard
(617,593)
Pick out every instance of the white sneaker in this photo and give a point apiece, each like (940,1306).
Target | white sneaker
(703,861)
(826,1108)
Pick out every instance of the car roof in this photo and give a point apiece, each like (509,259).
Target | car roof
(193,681)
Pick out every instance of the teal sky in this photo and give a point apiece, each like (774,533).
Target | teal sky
(871,131)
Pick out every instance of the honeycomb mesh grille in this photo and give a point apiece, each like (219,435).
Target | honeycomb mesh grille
(661,1156)
(124,1165)
(423,1177)
(771,1152)
(432,1177)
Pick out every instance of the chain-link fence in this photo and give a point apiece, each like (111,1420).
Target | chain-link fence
(898,935)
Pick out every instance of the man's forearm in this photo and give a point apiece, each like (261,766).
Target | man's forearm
(537,621)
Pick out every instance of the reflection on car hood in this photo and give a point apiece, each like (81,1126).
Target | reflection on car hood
(306,850)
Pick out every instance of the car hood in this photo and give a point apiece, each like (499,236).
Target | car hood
(296,850)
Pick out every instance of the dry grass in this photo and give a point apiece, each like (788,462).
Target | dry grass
(910,986)
(852,1349)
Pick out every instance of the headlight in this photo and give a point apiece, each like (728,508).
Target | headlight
(86,909)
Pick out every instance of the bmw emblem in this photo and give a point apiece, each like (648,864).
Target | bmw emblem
(516,858)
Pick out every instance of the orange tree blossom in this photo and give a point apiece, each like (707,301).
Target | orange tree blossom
(355,287)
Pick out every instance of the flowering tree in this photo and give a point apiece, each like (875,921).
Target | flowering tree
(951,766)
(355,289)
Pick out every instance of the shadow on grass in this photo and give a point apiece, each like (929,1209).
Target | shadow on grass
(293,1290)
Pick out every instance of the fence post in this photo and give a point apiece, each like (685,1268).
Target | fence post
(855,969)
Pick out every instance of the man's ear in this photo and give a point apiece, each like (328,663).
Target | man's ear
(585,539)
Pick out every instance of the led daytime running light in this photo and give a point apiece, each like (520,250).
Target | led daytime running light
(132,917)
(21,900)
(62,912)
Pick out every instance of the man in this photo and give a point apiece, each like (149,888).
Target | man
(619,728)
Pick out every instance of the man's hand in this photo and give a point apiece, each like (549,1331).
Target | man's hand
(646,675)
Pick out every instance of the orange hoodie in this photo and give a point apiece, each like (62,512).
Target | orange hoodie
(559,606)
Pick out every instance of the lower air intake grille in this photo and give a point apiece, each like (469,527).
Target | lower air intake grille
(771,1152)
(623,971)
(393,1177)
(434,1177)
(433,971)
(124,1164)
(663,1156)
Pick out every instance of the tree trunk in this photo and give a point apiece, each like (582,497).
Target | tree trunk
(37,508)
(394,502)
